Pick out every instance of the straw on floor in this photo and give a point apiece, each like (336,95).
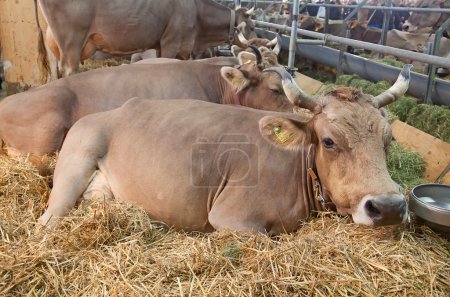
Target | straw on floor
(107,248)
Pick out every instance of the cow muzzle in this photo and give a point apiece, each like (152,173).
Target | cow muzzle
(381,210)
(408,27)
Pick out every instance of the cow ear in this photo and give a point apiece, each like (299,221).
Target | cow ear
(318,26)
(235,77)
(283,132)
(353,24)
(246,58)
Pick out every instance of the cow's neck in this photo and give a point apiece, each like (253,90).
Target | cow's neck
(314,195)
(230,96)
(441,20)
(214,21)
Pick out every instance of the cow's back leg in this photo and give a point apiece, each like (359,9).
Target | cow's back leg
(77,163)
(55,57)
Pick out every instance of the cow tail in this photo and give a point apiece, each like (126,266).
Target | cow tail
(42,51)
(2,148)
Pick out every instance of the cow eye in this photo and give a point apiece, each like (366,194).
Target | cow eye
(276,91)
(328,143)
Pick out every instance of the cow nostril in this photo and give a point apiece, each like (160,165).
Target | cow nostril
(372,210)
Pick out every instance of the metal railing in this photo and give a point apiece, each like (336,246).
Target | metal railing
(430,59)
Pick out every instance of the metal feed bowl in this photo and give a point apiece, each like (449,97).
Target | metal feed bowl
(431,202)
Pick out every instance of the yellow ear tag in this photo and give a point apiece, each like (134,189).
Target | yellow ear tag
(282,136)
(248,62)
(235,81)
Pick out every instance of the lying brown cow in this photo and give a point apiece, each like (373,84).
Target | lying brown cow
(200,166)
(35,122)
(76,29)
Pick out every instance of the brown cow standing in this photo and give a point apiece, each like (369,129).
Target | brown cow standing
(177,29)
(200,166)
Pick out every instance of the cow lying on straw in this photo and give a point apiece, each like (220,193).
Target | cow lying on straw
(200,166)
(36,122)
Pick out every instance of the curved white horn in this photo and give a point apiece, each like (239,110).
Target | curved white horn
(276,50)
(273,42)
(242,39)
(397,90)
(238,6)
(293,92)
(241,26)
(250,11)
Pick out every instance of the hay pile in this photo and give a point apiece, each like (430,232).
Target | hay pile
(111,249)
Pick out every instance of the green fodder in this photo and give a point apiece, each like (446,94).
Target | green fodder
(432,119)
(402,107)
(390,60)
(405,167)
(365,85)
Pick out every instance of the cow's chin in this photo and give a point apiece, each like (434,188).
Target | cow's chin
(344,211)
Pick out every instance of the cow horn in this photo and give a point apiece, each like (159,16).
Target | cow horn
(293,92)
(250,11)
(242,39)
(241,26)
(238,6)
(397,90)
(276,50)
(272,43)
(257,54)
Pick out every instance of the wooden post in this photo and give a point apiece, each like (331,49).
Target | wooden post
(18,33)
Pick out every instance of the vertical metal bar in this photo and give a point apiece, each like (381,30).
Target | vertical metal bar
(432,68)
(347,35)
(237,3)
(293,40)
(327,17)
(385,29)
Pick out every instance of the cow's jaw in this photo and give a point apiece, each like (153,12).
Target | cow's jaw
(381,210)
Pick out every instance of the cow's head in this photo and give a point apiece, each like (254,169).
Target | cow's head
(308,23)
(351,136)
(422,20)
(244,22)
(268,48)
(250,86)
(357,30)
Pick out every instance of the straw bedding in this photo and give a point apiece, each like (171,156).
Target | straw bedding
(113,249)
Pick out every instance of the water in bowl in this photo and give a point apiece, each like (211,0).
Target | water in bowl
(435,202)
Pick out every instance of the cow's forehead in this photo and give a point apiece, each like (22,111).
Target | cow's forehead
(272,77)
(354,121)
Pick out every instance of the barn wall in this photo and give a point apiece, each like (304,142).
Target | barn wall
(18,33)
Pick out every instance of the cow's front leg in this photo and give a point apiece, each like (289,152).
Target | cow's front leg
(71,51)
(234,216)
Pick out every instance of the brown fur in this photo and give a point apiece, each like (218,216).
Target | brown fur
(345,94)
(42,51)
